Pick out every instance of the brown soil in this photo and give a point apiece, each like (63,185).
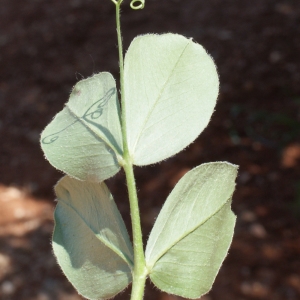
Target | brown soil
(46,46)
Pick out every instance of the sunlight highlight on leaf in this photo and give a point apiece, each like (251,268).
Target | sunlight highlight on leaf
(171,87)
(193,231)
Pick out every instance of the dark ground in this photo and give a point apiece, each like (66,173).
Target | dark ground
(46,46)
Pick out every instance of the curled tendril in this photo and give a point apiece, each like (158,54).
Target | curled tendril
(137,4)
(134,4)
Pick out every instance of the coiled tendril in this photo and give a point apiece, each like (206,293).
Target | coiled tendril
(134,4)
(137,4)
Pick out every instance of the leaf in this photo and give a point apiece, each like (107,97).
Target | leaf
(84,140)
(90,239)
(171,86)
(193,231)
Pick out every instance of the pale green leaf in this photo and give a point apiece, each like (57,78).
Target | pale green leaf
(171,87)
(193,231)
(84,140)
(90,240)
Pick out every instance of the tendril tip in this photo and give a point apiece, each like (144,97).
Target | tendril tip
(137,4)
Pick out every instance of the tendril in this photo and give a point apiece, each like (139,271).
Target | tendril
(137,4)
(134,4)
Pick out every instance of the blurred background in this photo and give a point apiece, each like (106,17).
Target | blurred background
(47,46)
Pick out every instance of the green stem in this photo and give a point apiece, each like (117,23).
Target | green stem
(121,66)
(139,270)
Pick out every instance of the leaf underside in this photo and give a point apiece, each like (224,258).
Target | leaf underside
(84,139)
(193,231)
(171,86)
(90,240)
